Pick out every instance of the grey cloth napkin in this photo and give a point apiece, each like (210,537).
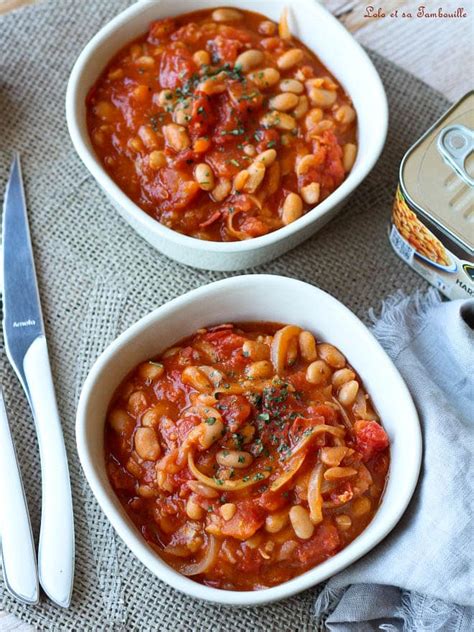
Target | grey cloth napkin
(421,577)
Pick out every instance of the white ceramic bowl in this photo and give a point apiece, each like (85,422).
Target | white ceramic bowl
(321,32)
(253,298)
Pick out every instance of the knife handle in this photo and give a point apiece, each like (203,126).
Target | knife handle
(56,541)
(18,549)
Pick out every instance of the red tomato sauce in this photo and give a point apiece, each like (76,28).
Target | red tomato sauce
(246,454)
(222,129)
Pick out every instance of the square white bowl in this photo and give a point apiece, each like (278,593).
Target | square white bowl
(324,35)
(253,298)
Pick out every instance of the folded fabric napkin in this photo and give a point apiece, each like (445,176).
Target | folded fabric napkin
(421,577)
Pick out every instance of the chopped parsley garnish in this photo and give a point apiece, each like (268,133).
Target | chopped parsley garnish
(155,122)
(210,420)
(238,439)
(238,131)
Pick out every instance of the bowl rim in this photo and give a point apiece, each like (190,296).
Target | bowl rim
(133,539)
(145,221)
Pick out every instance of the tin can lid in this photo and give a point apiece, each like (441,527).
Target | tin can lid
(437,173)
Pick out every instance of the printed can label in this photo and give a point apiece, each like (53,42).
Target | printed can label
(425,253)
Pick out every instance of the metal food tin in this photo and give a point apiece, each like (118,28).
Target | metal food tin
(432,226)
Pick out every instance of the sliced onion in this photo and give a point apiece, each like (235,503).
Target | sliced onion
(344,415)
(315,431)
(283,28)
(292,467)
(360,409)
(206,562)
(235,232)
(315,500)
(256,201)
(279,348)
(178,551)
(224,485)
(363,481)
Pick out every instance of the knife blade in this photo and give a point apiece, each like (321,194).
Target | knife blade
(26,349)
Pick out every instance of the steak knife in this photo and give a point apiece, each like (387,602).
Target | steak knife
(27,352)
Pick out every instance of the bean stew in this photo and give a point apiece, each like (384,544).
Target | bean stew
(246,454)
(221,125)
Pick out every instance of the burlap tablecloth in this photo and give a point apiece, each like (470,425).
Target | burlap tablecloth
(97,276)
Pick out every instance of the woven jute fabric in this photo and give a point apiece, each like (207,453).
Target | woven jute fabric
(97,277)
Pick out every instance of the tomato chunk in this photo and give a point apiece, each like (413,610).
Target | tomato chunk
(175,189)
(370,438)
(160,30)
(176,67)
(235,411)
(248,518)
(322,545)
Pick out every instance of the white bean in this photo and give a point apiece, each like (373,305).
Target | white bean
(302,107)
(331,355)
(342,376)
(290,58)
(234,458)
(280,120)
(265,78)
(318,372)
(210,431)
(275,522)
(157,159)
(292,208)
(204,176)
(221,190)
(202,58)
(349,152)
(307,345)
(310,193)
(322,98)
(345,115)
(226,15)
(266,157)
(301,522)
(256,173)
(176,137)
(259,370)
(284,102)
(193,510)
(249,59)
(291,85)
(146,444)
(348,393)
